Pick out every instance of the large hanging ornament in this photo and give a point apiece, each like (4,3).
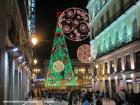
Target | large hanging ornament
(58,66)
(74,24)
(83,53)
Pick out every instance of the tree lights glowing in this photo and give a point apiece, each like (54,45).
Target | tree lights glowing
(60,68)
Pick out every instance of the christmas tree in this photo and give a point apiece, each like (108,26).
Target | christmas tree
(60,67)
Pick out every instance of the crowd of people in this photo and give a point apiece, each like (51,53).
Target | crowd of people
(87,97)
(124,97)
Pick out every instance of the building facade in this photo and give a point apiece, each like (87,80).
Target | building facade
(82,73)
(15,54)
(115,44)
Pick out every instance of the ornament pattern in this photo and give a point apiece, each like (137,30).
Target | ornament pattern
(83,53)
(74,24)
(58,66)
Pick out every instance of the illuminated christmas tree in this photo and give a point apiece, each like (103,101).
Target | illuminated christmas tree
(60,67)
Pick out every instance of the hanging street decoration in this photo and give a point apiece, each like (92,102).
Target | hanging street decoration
(83,53)
(74,24)
(58,66)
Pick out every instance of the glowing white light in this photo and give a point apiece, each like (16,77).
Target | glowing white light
(34,41)
(35,61)
(15,49)
(132,75)
(20,57)
(132,66)
(23,62)
(123,75)
(116,76)
(96,66)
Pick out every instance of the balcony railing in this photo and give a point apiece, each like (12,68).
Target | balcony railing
(115,16)
(120,43)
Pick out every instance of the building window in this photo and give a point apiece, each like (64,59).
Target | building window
(121,5)
(76,70)
(107,16)
(138,60)
(112,67)
(119,65)
(124,34)
(96,9)
(92,33)
(116,37)
(101,68)
(104,43)
(102,21)
(109,42)
(128,63)
(99,6)
(114,10)
(134,28)
(106,69)
(103,2)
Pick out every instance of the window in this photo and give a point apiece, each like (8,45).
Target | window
(32,9)
(106,69)
(96,9)
(99,49)
(124,34)
(134,29)
(138,60)
(128,63)
(99,6)
(116,37)
(121,4)
(101,67)
(104,43)
(114,10)
(103,2)
(92,33)
(111,67)
(33,4)
(102,21)
(107,16)
(76,70)
(109,41)
(119,65)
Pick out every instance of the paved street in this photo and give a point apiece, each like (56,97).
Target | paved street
(51,102)
(108,103)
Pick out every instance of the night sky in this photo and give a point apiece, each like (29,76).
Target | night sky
(46,23)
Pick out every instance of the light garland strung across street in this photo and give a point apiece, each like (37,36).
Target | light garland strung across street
(83,53)
(74,24)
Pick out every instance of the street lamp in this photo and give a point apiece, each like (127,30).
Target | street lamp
(35,61)
(34,41)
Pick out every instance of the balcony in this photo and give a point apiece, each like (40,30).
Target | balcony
(122,10)
(120,43)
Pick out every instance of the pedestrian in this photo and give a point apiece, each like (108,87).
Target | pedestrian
(122,96)
(70,97)
(138,97)
(87,99)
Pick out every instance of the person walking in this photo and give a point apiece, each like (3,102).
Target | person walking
(122,96)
